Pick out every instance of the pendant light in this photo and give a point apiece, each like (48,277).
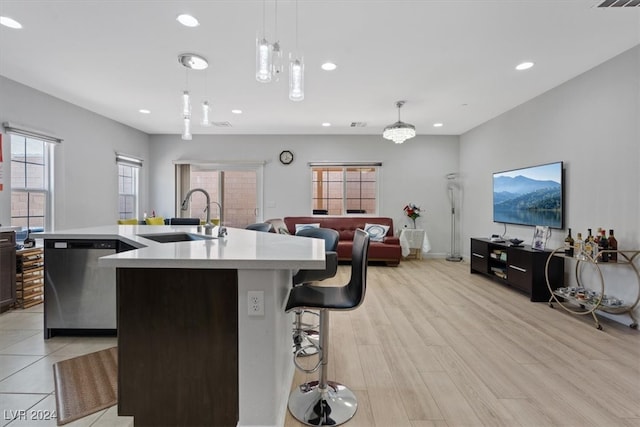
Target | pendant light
(296,70)
(400,131)
(186,116)
(264,51)
(206,109)
(276,51)
(190,61)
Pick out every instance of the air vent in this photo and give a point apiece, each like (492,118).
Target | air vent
(358,124)
(222,124)
(619,3)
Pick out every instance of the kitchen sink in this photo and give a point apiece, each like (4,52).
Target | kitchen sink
(175,237)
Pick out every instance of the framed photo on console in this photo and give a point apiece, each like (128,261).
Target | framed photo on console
(540,236)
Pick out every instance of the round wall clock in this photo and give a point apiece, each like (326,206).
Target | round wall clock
(286,157)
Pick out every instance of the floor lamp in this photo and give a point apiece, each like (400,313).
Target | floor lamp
(453,189)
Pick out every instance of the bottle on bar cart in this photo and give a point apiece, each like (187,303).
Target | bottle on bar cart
(613,245)
(568,244)
(579,247)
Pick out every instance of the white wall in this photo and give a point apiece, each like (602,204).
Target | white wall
(592,124)
(86,176)
(411,172)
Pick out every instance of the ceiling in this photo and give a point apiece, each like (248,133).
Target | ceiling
(452,61)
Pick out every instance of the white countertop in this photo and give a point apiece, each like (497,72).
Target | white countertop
(240,249)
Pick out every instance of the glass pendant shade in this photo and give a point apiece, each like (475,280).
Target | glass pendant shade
(400,131)
(206,108)
(296,79)
(186,132)
(276,58)
(186,103)
(264,62)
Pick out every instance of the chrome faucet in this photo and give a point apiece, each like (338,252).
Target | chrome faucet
(222,231)
(208,227)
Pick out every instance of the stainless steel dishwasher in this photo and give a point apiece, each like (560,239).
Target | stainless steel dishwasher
(80,296)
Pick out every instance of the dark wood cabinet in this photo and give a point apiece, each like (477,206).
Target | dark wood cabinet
(7,269)
(522,268)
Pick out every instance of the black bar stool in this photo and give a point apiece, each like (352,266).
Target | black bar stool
(305,338)
(325,402)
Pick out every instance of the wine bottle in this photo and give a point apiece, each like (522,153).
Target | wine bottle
(588,243)
(613,245)
(603,246)
(568,245)
(579,247)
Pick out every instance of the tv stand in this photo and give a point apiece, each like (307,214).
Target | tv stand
(519,267)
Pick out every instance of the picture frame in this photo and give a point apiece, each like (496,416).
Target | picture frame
(540,236)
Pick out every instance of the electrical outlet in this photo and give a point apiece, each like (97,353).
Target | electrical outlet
(255,303)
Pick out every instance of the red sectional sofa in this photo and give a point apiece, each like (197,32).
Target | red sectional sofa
(388,250)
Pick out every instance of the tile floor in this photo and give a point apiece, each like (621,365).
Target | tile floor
(26,374)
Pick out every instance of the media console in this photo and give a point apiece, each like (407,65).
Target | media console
(522,267)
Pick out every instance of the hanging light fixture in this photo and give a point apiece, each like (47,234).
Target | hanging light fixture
(186,103)
(206,109)
(190,61)
(276,51)
(186,116)
(264,51)
(400,131)
(296,70)
(186,130)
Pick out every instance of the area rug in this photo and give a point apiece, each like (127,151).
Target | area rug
(85,384)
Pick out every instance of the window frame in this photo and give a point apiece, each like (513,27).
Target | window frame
(345,167)
(47,188)
(182,184)
(135,164)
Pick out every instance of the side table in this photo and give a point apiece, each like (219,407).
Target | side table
(412,241)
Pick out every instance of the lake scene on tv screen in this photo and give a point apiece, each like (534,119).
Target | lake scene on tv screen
(529,196)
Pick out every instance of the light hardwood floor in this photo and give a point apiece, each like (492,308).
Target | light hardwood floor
(434,345)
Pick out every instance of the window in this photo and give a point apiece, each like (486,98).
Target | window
(128,168)
(345,189)
(236,187)
(30,182)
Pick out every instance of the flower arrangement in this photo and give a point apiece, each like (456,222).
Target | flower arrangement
(413,212)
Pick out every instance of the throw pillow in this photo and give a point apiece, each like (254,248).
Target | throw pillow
(130,221)
(376,232)
(305,226)
(156,220)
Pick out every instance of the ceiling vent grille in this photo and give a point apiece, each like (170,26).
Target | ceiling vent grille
(358,124)
(222,124)
(618,3)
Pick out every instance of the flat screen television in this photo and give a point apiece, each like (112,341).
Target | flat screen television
(530,196)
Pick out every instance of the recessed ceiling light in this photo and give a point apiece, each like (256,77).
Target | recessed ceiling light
(144,111)
(236,111)
(9,22)
(524,66)
(187,20)
(438,125)
(329,66)
(326,124)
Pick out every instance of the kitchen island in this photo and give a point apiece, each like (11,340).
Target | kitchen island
(189,352)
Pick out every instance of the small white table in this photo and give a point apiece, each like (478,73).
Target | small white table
(414,241)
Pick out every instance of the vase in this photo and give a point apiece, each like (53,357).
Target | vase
(414,223)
